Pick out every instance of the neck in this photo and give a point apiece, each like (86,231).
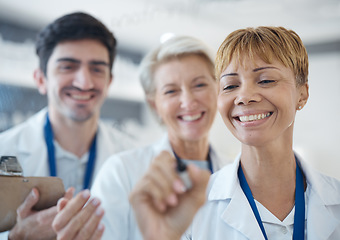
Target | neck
(194,150)
(75,137)
(271,177)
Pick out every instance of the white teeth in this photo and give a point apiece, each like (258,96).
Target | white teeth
(253,117)
(190,118)
(81,97)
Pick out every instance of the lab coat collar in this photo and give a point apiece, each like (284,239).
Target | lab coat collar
(164,145)
(224,183)
(237,211)
(328,193)
(321,222)
(33,134)
(324,193)
(225,186)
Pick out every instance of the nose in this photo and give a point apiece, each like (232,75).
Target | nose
(246,95)
(83,79)
(188,100)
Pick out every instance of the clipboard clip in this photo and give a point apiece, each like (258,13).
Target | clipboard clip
(10,166)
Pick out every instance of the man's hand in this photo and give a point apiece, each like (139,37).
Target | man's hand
(163,208)
(74,221)
(33,224)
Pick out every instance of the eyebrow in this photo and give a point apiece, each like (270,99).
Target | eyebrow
(228,74)
(99,63)
(73,60)
(68,60)
(254,70)
(195,79)
(263,68)
(168,85)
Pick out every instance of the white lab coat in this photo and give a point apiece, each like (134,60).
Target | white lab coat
(228,215)
(115,181)
(26,142)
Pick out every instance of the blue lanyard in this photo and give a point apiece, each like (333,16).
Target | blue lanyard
(180,162)
(299,216)
(48,134)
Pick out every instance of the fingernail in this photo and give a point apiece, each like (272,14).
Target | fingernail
(100,227)
(95,201)
(178,186)
(99,211)
(33,194)
(86,193)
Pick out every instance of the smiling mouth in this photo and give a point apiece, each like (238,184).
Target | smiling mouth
(80,97)
(255,117)
(190,118)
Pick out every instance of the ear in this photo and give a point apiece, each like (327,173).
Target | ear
(152,104)
(304,95)
(40,81)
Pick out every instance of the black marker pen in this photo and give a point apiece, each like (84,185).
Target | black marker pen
(183,173)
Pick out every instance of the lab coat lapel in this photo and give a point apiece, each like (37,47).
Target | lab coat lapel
(32,138)
(32,145)
(239,215)
(321,221)
(321,224)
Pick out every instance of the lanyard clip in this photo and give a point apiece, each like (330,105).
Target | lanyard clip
(10,166)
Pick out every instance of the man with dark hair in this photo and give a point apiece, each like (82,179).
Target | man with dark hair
(76,53)
(74,26)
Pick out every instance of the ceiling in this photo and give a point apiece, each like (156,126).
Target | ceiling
(139,24)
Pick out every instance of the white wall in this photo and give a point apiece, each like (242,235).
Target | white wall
(317,128)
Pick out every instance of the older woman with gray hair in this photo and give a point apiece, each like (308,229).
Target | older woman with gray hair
(180,87)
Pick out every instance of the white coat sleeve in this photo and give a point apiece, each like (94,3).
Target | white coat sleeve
(4,235)
(112,187)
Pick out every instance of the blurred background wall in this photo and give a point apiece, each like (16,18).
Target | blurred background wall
(141,25)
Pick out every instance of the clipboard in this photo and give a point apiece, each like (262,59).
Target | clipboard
(15,188)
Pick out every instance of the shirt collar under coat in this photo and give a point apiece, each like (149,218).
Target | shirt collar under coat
(164,144)
(324,193)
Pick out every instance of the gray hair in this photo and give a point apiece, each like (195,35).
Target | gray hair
(175,47)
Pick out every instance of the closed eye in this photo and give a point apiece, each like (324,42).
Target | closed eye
(266,81)
(66,67)
(169,92)
(229,87)
(99,70)
(201,85)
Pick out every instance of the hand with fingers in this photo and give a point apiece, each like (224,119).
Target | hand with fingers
(79,218)
(163,207)
(32,224)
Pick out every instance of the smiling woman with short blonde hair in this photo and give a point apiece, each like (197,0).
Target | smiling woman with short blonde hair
(268,192)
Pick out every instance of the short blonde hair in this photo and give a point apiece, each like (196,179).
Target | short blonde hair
(267,43)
